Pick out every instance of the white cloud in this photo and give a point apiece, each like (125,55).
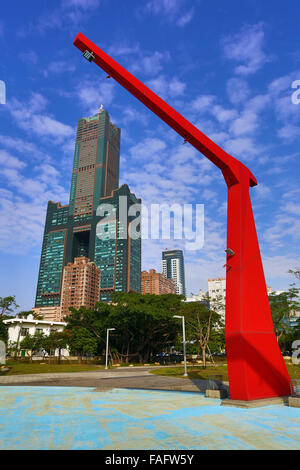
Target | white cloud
(237,90)
(278,266)
(149,148)
(186,18)
(29,57)
(246,47)
(24,147)
(167,7)
(222,114)
(84,4)
(24,203)
(289,132)
(203,103)
(93,93)
(31,117)
(149,63)
(123,49)
(242,147)
(247,123)
(172,11)
(165,87)
(60,66)
(292,208)
(9,161)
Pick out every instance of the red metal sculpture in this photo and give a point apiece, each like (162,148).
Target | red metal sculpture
(256,367)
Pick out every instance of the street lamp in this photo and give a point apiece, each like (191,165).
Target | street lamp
(184,342)
(107,336)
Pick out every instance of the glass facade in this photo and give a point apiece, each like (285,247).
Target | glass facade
(117,255)
(48,291)
(173,268)
(70,231)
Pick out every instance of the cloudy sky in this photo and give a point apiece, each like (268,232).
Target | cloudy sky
(229,69)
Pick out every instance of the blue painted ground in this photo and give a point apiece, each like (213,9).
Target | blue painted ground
(82,418)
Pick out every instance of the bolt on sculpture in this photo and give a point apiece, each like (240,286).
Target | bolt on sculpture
(256,367)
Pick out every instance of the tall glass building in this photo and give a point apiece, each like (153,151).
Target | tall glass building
(70,230)
(173,268)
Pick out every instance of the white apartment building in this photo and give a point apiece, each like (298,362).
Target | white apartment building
(217,294)
(197,297)
(18,328)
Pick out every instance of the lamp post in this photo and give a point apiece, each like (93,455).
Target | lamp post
(107,337)
(184,342)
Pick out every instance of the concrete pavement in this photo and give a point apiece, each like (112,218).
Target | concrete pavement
(134,378)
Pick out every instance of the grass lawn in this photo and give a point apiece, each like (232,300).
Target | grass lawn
(17,368)
(219,372)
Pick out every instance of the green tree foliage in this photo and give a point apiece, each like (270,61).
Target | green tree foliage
(204,326)
(144,325)
(57,340)
(3,331)
(33,343)
(284,308)
(7,305)
(26,313)
(81,341)
(296,273)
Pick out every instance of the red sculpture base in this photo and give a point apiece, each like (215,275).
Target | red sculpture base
(253,374)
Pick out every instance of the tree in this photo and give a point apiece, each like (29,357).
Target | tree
(81,341)
(3,331)
(296,273)
(144,324)
(200,322)
(7,305)
(283,308)
(25,313)
(34,343)
(57,340)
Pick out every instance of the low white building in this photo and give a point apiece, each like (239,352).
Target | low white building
(197,297)
(18,328)
(217,294)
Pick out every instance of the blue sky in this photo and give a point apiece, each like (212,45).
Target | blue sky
(226,66)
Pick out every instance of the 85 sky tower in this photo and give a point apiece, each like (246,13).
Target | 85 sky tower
(70,230)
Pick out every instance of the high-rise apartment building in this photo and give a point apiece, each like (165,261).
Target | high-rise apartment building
(80,285)
(156,283)
(48,313)
(70,230)
(173,268)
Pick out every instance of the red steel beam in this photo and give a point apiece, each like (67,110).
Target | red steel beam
(256,367)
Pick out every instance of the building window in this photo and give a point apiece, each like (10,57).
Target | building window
(24,331)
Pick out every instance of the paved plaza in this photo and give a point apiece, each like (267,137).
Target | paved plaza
(123,377)
(42,417)
(130,408)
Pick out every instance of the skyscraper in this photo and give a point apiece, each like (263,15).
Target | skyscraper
(117,253)
(70,230)
(80,285)
(173,268)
